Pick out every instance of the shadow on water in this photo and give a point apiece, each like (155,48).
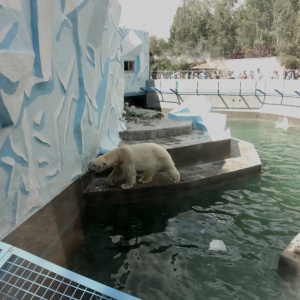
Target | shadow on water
(113,231)
(138,219)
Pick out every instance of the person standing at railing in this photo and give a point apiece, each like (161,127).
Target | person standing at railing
(244,75)
(251,75)
(231,75)
(289,74)
(275,75)
(215,75)
(258,75)
(204,75)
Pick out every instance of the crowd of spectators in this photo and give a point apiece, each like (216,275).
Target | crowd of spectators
(285,74)
(217,74)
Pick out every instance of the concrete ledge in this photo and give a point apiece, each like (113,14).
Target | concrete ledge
(263,115)
(186,146)
(155,129)
(189,149)
(289,260)
(200,153)
(193,179)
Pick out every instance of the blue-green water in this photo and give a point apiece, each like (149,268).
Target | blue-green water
(160,250)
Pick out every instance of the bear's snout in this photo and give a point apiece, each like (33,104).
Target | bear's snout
(92,167)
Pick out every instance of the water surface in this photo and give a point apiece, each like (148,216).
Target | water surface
(161,250)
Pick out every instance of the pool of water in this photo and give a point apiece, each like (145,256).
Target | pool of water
(161,250)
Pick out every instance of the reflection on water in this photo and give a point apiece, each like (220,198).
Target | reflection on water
(160,250)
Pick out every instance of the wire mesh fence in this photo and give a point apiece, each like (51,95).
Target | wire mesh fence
(24,276)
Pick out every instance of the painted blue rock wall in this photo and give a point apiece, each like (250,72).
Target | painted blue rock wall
(61,97)
(135,47)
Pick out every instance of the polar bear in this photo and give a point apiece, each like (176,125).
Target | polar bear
(127,160)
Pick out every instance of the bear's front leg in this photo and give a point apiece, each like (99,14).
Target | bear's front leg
(174,174)
(130,176)
(114,176)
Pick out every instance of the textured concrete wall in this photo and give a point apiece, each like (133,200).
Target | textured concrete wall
(61,97)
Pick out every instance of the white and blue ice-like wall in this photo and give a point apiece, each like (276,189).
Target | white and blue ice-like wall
(135,47)
(62,86)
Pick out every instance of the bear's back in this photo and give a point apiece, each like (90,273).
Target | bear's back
(148,156)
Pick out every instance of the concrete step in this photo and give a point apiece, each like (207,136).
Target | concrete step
(193,148)
(186,146)
(202,161)
(157,128)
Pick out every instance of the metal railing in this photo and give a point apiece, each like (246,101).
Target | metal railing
(287,88)
(273,92)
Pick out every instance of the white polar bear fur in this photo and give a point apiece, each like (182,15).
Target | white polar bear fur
(129,159)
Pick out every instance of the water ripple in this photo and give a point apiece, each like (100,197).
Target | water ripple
(161,250)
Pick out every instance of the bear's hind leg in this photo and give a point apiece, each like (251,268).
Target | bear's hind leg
(130,176)
(147,176)
(174,174)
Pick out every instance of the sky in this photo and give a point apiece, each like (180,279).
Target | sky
(155,16)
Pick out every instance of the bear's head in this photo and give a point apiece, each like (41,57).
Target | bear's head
(99,164)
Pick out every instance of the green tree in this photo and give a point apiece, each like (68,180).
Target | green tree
(203,29)
(222,33)
(255,27)
(160,50)
(287,21)
(190,28)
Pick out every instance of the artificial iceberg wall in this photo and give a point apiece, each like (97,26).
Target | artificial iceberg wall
(135,47)
(61,97)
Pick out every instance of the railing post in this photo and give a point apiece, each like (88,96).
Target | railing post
(282,92)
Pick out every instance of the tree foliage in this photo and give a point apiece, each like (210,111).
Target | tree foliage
(254,32)
(222,31)
(286,24)
(204,29)
(190,28)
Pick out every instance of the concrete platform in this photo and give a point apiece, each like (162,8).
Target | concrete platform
(154,128)
(289,260)
(243,162)
(203,162)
